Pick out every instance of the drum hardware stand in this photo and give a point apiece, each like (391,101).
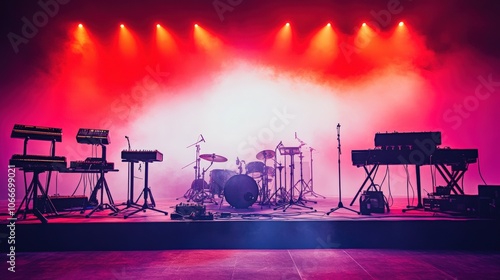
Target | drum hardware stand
(281,192)
(291,151)
(204,194)
(340,205)
(311,182)
(302,182)
(265,199)
(303,185)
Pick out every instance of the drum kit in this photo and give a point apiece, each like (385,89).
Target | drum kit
(243,189)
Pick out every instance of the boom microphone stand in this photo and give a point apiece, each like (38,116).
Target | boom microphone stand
(340,205)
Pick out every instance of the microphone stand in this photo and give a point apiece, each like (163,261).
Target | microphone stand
(340,205)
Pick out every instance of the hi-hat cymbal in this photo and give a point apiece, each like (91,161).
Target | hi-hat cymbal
(213,157)
(266,154)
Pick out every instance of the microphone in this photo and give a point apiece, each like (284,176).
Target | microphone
(280,144)
(140,168)
(128,141)
(237,161)
(202,139)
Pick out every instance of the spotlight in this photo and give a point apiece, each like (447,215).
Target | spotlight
(287,24)
(364,24)
(80,25)
(328,24)
(195,25)
(158,25)
(122,26)
(401,23)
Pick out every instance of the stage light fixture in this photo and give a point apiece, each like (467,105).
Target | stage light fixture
(287,24)
(195,25)
(328,24)
(158,25)
(364,24)
(401,23)
(122,26)
(80,25)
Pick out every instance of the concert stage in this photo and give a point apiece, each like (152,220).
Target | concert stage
(256,228)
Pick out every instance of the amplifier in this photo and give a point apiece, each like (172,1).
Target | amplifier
(467,205)
(62,203)
(489,201)
(372,202)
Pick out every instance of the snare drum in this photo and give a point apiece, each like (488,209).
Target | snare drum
(255,169)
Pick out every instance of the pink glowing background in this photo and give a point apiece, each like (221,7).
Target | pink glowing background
(248,80)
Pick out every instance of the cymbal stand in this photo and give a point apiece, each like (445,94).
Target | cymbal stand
(292,201)
(310,184)
(192,192)
(340,205)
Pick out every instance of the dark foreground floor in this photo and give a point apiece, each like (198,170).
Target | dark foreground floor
(257,264)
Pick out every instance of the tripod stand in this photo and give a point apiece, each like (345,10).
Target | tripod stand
(198,183)
(302,182)
(103,186)
(147,193)
(32,193)
(340,205)
(310,184)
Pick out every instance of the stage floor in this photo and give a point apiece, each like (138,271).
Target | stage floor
(257,264)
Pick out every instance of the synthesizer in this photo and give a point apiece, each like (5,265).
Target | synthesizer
(413,140)
(91,164)
(414,157)
(142,155)
(39,162)
(93,136)
(36,133)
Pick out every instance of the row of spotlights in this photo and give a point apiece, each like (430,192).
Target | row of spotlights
(196,25)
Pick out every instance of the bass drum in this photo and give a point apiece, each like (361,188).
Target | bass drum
(241,191)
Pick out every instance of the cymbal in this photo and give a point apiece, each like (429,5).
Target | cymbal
(265,154)
(213,157)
